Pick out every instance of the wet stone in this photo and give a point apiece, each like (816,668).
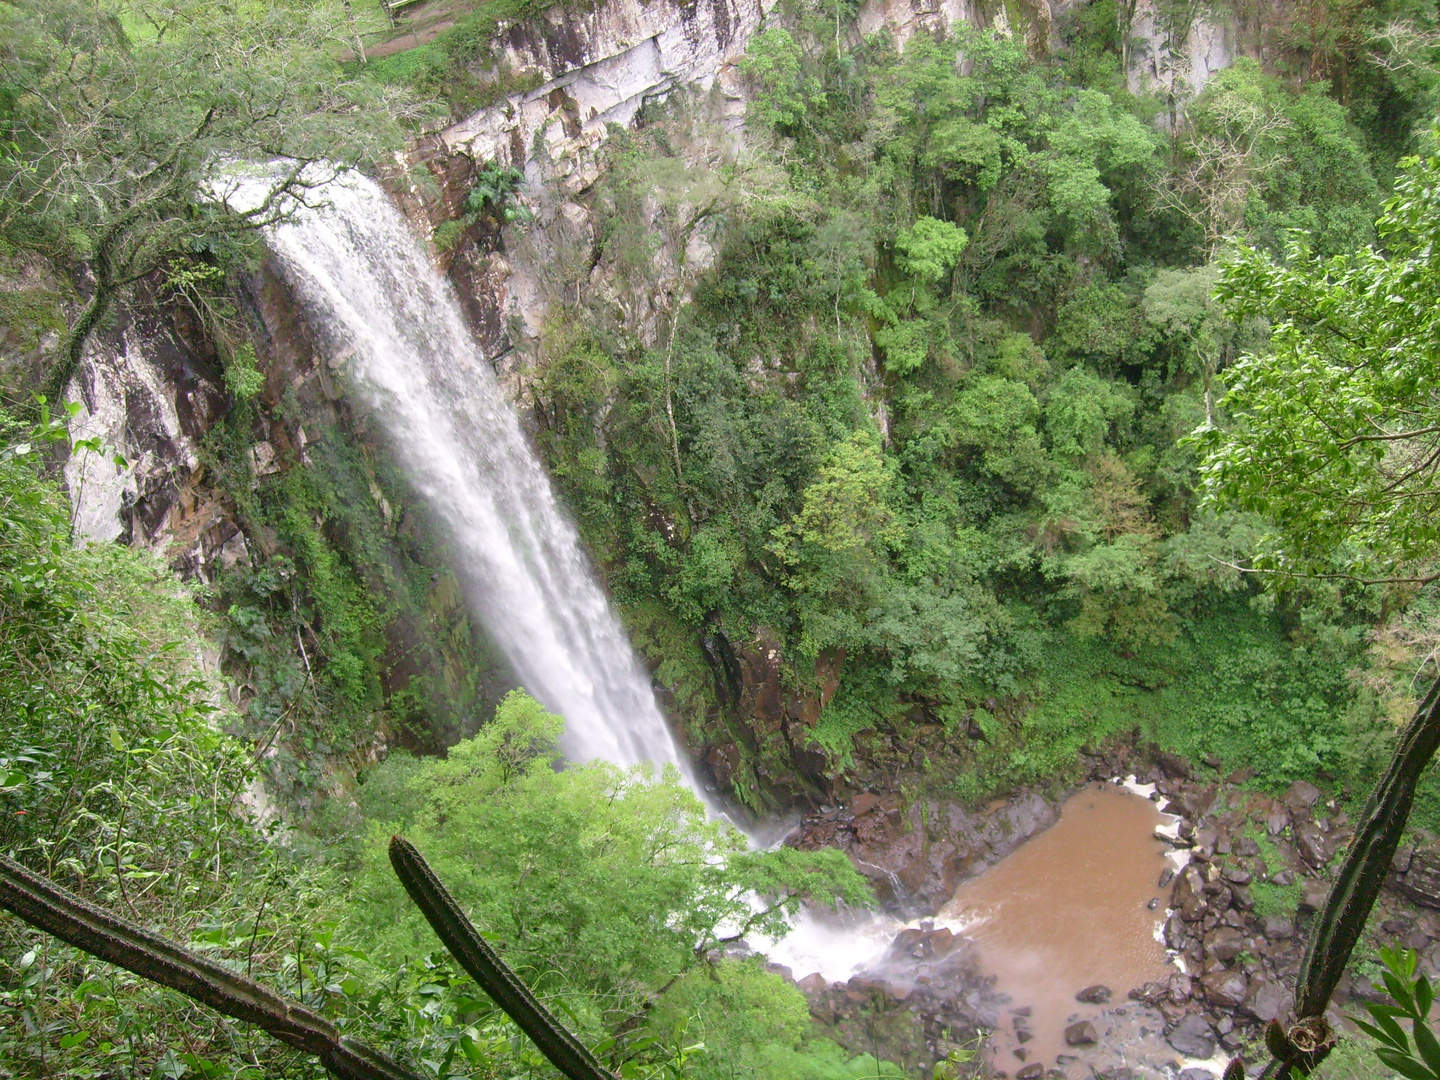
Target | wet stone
(1094,995)
(1225,989)
(1033,1071)
(1278,927)
(1193,1036)
(1081,1034)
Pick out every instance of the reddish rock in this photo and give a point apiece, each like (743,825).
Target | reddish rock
(1225,989)
(1314,846)
(1224,943)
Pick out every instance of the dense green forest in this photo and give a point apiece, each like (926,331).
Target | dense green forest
(1019,412)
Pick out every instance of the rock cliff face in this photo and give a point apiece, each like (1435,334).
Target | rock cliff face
(151,386)
(1177,59)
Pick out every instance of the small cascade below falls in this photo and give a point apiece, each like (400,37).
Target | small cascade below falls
(368,282)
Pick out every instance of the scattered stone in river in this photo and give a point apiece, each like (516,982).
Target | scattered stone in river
(1094,995)
(1081,1034)
(1193,1036)
(1166,876)
(1153,903)
(1033,1071)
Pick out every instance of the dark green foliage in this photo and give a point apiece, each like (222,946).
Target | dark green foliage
(926,407)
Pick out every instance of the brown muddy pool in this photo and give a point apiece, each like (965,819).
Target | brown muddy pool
(1067,910)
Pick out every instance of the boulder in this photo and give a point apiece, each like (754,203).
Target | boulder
(1301,795)
(1094,995)
(1278,927)
(1403,856)
(1312,895)
(1224,943)
(1192,803)
(814,983)
(1314,846)
(1266,1000)
(1196,1074)
(1033,1071)
(1182,988)
(1172,767)
(1189,894)
(1082,1033)
(1174,931)
(1193,1036)
(1150,994)
(1225,989)
(1421,880)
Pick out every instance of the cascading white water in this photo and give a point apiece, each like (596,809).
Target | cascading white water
(366,277)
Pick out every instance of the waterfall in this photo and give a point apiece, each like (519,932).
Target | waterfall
(369,283)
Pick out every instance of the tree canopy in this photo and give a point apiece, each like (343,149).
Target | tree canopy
(1336,435)
(114,119)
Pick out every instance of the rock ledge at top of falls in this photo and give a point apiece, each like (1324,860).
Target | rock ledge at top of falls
(598,68)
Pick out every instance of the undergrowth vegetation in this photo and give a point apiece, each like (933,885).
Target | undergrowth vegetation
(926,419)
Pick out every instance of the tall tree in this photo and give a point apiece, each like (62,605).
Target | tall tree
(120,116)
(1336,437)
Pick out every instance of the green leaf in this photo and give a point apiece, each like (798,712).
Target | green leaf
(1404,1064)
(1426,1043)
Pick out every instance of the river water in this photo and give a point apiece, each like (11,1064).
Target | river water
(1064,911)
(1068,910)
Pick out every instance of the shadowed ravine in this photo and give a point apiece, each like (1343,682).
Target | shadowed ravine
(1066,910)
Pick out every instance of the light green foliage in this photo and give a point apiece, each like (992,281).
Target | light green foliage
(242,378)
(988,232)
(1259,158)
(773,61)
(754,1023)
(1410,1000)
(1334,436)
(998,418)
(929,249)
(1353,1059)
(119,186)
(1081,410)
(612,877)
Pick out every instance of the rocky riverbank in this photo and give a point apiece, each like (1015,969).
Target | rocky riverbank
(1257,868)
